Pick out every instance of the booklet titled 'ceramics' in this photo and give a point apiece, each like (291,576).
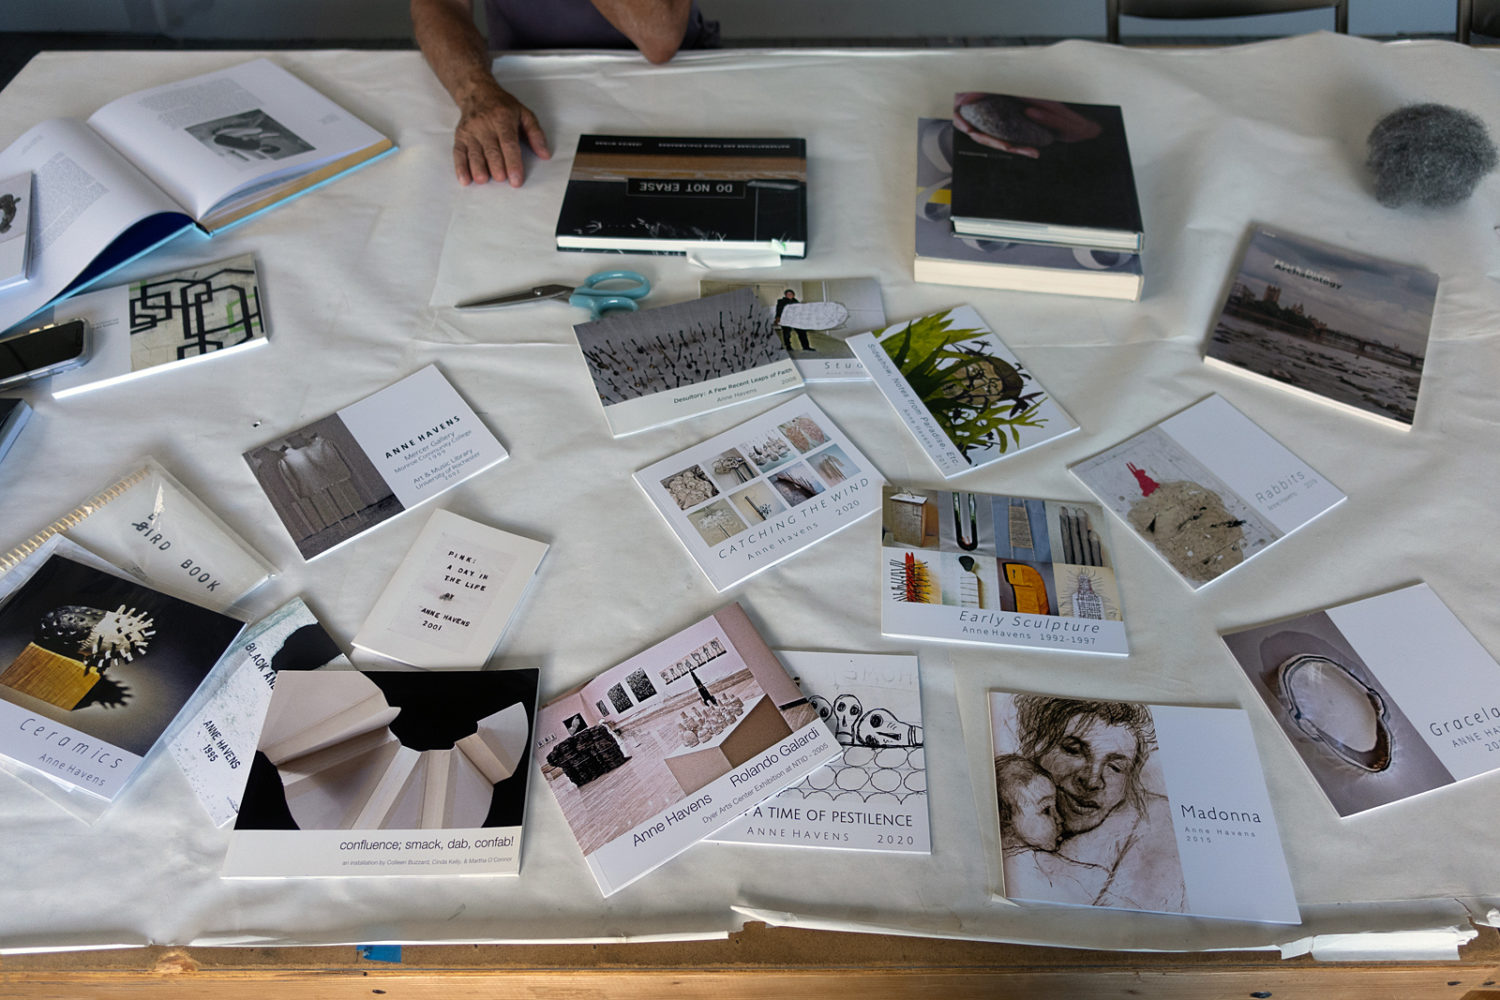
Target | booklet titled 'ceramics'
(216,743)
(388,773)
(340,476)
(1207,489)
(1160,808)
(453,595)
(815,318)
(1382,698)
(998,571)
(676,743)
(750,497)
(874,796)
(658,366)
(960,391)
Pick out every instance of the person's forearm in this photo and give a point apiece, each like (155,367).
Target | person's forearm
(655,27)
(456,51)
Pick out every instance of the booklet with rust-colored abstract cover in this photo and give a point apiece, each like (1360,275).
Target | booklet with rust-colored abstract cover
(676,743)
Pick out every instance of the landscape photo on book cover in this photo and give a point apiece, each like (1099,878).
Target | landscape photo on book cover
(109,662)
(1382,698)
(974,567)
(1124,805)
(674,743)
(1330,322)
(815,317)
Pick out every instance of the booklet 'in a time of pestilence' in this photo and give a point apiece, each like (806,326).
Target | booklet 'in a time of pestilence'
(675,743)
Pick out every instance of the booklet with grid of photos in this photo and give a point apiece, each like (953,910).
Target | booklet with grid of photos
(676,743)
(388,773)
(335,478)
(815,318)
(1122,805)
(657,366)
(748,498)
(998,571)
(453,596)
(873,797)
(960,391)
(1207,489)
(1383,698)
(1329,324)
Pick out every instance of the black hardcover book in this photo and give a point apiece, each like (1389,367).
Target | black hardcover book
(645,194)
(1041,171)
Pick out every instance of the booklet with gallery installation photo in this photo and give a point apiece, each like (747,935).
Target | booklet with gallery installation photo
(357,468)
(960,391)
(676,743)
(873,797)
(815,318)
(750,497)
(1382,698)
(998,571)
(1207,489)
(1159,808)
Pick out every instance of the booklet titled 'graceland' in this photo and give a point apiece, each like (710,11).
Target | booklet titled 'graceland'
(960,391)
(354,469)
(998,570)
(748,498)
(675,743)
(1160,808)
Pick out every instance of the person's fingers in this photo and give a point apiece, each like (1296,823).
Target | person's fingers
(535,137)
(984,139)
(505,158)
(461,164)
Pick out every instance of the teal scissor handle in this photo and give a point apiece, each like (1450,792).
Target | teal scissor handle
(600,300)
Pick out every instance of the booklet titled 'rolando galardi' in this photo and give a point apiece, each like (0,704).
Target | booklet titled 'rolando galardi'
(676,743)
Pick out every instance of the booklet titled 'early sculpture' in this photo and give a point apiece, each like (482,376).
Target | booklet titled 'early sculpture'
(998,570)
(1160,808)
(675,743)
(1382,698)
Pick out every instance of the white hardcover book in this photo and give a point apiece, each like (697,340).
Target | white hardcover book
(960,391)
(1160,808)
(453,595)
(1207,489)
(748,498)
(873,797)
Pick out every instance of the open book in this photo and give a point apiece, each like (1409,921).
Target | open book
(211,150)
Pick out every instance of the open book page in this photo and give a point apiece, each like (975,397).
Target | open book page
(222,134)
(87,195)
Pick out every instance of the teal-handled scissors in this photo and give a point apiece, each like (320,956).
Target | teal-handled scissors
(587,295)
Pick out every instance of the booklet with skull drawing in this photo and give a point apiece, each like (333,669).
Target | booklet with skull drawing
(337,477)
(658,366)
(1207,489)
(388,773)
(998,571)
(1382,698)
(873,797)
(1117,805)
(676,743)
(95,667)
(960,391)
(815,319)
(750,497)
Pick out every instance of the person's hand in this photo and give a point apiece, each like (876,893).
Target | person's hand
(1065,124)
(984,138)
(487,141)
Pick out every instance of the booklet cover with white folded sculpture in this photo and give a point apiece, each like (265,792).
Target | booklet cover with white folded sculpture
(874,796)
(342,475)
(216,742)
(675,743)
(748,498)
(1207,489)
(815,319)
(1160,808)
(999,571)
(453,595)
(658,366)
(960,391)
(1382,698)
(388,773)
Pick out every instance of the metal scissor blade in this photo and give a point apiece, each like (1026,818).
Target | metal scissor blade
(536,294)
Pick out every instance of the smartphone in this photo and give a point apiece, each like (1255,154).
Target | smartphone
(44,351)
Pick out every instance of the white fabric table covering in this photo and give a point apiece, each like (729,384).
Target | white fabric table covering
(359,279)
